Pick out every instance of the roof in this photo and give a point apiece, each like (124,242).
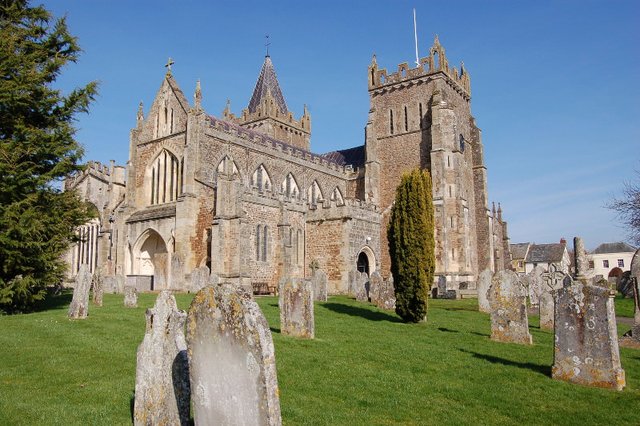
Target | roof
(267,82)
(353,156)
(545,253)
(519,250)
(619,247)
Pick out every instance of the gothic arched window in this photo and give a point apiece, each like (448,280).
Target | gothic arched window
(227,165)
(166,178)
(336,196)
(289,187)
(314,193)
(260,179)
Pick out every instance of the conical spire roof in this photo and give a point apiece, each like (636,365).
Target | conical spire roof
(267,82)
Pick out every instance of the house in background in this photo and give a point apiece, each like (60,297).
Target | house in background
(518,256)
(546,254)
(611,259)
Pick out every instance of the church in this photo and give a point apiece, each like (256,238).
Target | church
(244,195)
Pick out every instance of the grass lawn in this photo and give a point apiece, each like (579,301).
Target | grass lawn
(365,367)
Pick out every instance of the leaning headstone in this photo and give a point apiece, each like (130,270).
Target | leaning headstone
(199,278)
(586,337)
(79,308)
(508,300)
(536,286)
(231,359)
(296,308)
(362,280)
(162,394)
(552,281)
(375,287)
(319,281)
(97,284)
(130,297)
(484,283)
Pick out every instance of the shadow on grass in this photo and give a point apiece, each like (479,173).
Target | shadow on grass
(460,309)
(448,330)
(355,311)
(545,370)
(274,330)
(480,334)
(54,301)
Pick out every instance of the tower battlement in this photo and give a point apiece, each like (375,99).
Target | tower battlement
(436,62)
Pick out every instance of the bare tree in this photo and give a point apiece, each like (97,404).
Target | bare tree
(627,208)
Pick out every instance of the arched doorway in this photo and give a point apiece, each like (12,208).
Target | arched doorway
(363,263)
(614,276)
(150,258)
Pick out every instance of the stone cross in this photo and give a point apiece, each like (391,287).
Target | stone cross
(296,308)
(508,300)
(162,393)
(586,336)
(79,307)
(552,281)
(232,362)
(168,65)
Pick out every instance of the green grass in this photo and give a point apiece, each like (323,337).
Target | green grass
(364,367)
(624,306)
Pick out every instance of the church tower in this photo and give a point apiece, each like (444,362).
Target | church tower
(421,117)
(268,113)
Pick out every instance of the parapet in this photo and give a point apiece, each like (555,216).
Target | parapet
(435,63)
(106,173)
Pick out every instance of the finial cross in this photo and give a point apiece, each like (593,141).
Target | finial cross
(169,63)
(267,43)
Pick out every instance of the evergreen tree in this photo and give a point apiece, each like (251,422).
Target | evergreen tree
(37,150)
(412,245)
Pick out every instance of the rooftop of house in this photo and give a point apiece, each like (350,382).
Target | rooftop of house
(619,247)
(546,252)
(519,250)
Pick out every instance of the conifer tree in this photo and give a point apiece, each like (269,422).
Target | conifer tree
(412,245)
(37,150)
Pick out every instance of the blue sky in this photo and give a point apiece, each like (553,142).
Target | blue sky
(554,83)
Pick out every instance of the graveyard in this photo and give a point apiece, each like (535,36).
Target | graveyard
(364,366)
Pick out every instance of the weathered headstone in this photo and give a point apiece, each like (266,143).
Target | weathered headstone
(535,284)
(361,287)
(110,284)
(162,394)
(319,281)
(121,280)
(160,262)
(353,282)
(97,284)
(130,297)
(387,295)
(375,287)
(296,308)
(79,308)
(231,359)
(177,281)
(508,300)
(199,278)
(552,281)
(586,337)
(484,284)
(625,284)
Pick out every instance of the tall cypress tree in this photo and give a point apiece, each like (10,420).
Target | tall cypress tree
(37,150)
(412,245)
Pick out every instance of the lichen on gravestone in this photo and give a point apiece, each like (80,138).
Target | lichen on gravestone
(296,308)
(484,284)
(231,359)
(162,392)
(79,307)
(508,301)
(97,285)
(130,296)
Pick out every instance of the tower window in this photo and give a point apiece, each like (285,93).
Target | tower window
(165,175)
(391,121)
(421,120)
(406,120)
(461,143)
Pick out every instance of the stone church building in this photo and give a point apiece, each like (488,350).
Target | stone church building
(245,196)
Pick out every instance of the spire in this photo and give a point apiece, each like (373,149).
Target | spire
(140,116)
(267,82)
(197,96)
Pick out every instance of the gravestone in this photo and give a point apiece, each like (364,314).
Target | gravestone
(177,281)
(635,331)
(160,262)
(353,279)
(535,284)
(79,308)
(130,297)
(231,359)
(375,288)
(120,279)
(387,295)
(162,394)
(580,256)
(97,284)
(484,284)
(552,281)
(296,308)
(319,281)
(362,280)
(110,284)
(586,337)
(508,300)
(199,278)
(625,284)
